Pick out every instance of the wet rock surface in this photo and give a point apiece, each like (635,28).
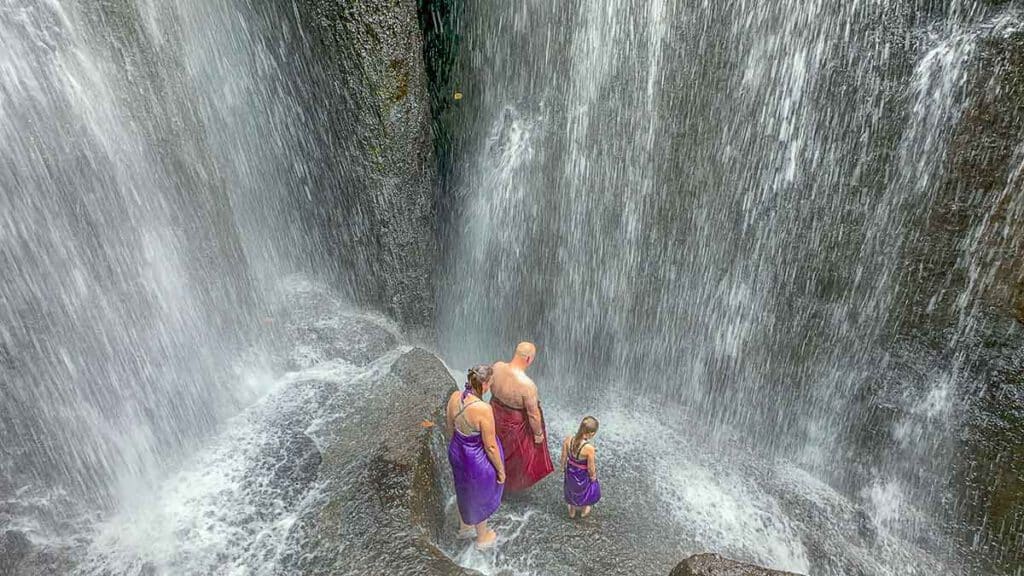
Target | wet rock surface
(329,472)
(626,534)
(378,220)
(380,507)
(715,565)
(14,547)
(967,316)
(20,557)
(670,492)
(319,327)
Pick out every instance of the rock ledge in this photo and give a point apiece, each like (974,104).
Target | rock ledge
(716,565)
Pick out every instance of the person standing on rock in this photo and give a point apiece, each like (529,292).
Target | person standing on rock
(519,421)
(476,457)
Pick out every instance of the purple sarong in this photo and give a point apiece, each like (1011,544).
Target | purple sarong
(476,481)
(580,490)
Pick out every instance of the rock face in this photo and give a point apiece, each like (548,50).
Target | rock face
(969,300)
(715,565)
(381,507)
(377,216)
(19,557)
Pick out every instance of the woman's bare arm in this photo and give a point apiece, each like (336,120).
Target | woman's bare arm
(591,461)
(491,442)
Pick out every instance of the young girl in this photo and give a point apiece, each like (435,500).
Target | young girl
(579,462)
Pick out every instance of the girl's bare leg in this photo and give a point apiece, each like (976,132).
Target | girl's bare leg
(465,530)
(572,511)
(586,512)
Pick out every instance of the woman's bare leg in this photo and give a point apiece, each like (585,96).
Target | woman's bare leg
(484,535)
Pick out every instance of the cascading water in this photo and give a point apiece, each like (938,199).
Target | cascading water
(709,216)
(154,163)
(714,204)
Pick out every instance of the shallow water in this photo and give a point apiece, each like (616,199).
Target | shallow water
(669,491)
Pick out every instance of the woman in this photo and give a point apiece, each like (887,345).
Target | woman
(476,457)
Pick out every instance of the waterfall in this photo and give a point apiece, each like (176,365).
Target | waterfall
(756,238)
(149,155)
(714,205)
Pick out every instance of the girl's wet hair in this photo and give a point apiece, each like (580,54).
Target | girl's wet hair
(588,425)
(476,377)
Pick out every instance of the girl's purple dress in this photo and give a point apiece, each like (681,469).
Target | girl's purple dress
(580,490)
(476,481)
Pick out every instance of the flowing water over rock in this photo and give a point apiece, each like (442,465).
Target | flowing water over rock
(163,166)
(721,207)
(246,502)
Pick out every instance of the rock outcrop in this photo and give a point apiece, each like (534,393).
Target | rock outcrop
(715,565)
(968,304)
(375,209)
(381,509)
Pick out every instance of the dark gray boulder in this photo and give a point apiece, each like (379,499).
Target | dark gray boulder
(381,509)
(715,565)
(14,547)
(374,209)
(19,556)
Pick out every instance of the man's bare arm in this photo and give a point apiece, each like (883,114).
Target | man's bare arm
(532,405)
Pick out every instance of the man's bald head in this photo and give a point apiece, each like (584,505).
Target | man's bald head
(525,352)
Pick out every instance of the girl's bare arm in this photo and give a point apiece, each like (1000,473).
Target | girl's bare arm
(591,462)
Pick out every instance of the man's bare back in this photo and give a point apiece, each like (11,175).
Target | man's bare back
(513,388)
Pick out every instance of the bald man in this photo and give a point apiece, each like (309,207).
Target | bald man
(519,421)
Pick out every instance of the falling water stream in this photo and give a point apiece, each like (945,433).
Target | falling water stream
(152,159)
(708,207)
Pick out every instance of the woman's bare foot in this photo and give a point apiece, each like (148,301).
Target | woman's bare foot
(487,540)
(586,512)
(572,511)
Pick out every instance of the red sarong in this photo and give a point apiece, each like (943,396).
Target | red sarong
(525,462)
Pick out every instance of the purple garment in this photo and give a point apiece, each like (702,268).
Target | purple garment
(580,490)
(476,481)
